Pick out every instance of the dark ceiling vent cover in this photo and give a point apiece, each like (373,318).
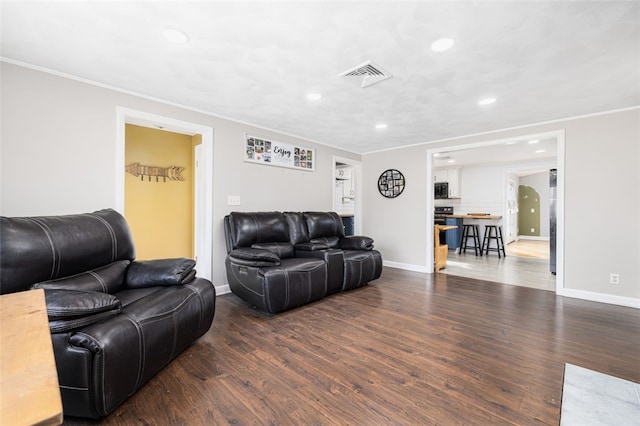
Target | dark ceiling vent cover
(367,74)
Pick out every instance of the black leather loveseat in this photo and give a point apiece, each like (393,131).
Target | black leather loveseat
(278,261)
(115,322)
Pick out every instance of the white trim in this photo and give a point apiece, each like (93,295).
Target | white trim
(405,266)
(630,302)
(532,238)
(126,115)
(490,132)
(211,114)
(222,289)
(357,168)
(560,255)
(162,101)
(559,135)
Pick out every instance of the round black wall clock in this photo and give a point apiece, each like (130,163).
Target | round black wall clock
(391,183)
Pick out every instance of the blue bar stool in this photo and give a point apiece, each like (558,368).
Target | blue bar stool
(473,232)
(491,233)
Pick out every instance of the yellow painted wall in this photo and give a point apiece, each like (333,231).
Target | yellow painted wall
(160,214)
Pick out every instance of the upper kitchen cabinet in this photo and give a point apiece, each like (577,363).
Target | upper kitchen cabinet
(440,175)
(452,177)
(343,173)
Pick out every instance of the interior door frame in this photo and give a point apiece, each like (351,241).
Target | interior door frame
(357,208)
(203,197)
(559,135)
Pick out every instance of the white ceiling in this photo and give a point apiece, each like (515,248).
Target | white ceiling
(255,61)
(521,154)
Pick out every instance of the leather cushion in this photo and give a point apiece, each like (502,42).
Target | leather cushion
(160,272)
(108,279)
(324,224)
(72,309)
(259,227)
(283,250)
(53,247)
(356,243)
(297,228)
(75,303)
(254,257)
(330,242)
(311,246)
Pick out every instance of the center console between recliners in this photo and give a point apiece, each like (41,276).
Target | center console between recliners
(278,261)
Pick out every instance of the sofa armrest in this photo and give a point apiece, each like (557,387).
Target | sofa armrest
(254,257)
(356,243)
(160,272)
(71,309)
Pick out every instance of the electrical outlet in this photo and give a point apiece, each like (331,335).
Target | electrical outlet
(233,200)
(614,278)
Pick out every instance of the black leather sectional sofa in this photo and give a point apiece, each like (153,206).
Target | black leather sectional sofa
(115,322)
(278,261)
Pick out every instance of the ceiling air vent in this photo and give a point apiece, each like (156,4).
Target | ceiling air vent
(367,74)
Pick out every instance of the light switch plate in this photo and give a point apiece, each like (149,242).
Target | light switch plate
(233,200)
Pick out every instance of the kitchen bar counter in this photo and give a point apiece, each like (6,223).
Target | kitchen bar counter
(467,216)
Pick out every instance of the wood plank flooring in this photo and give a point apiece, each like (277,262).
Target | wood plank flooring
(529,248)
(526,264)
(408,349)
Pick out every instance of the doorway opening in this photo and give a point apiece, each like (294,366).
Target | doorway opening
(347,190)
(202,177)
(505,209)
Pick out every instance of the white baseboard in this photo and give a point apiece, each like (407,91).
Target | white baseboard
(405,266)
(222,289)
(601,297)
(531,237)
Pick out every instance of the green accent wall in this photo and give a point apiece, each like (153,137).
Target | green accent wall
(528,211)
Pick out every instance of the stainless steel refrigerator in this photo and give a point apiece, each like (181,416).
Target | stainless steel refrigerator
(553,199)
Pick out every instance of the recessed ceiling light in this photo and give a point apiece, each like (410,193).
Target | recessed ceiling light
(314,96)
(540,151)
(381,126)
(534,141)
(486,101)
(174,35)
(437,154)
(442,44)
(451,161)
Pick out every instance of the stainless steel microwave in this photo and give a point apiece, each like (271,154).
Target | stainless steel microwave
(441,190)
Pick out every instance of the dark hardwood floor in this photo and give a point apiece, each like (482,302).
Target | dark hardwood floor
(408,349)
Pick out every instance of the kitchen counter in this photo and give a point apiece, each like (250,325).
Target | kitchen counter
(467,216)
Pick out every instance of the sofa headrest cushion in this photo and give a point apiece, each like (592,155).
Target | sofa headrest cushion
(36,249)
(297,228)
(260,227)
(324,224)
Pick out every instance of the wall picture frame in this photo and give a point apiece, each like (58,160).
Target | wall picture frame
(274,153)
(391,183)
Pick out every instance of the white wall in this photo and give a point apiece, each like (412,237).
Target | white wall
(602,169)
(58,155)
